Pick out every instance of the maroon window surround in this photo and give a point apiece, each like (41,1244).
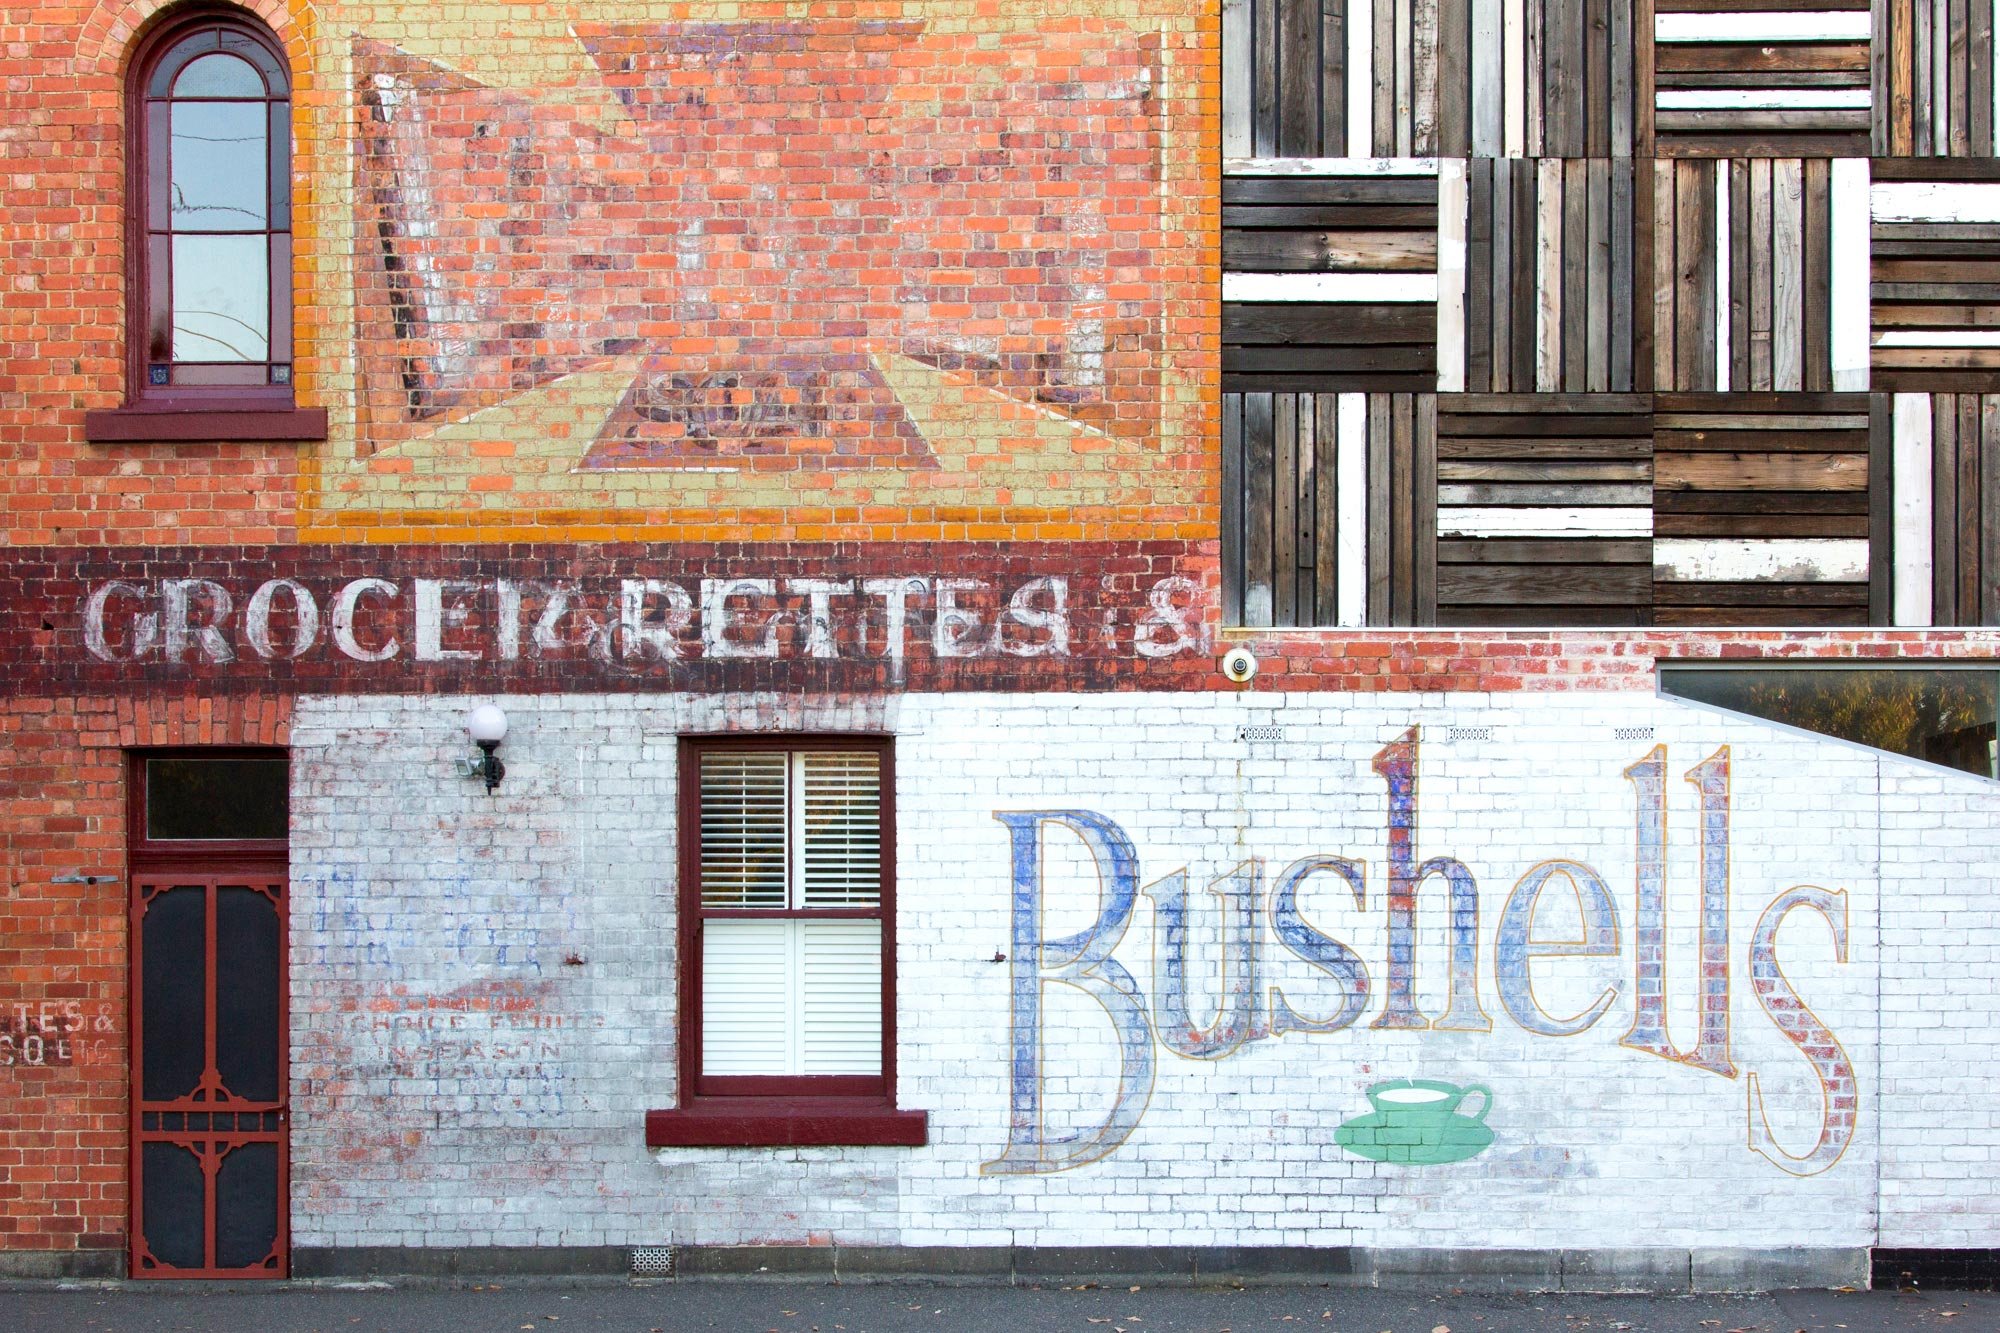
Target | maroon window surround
(734,1109)
(208,238)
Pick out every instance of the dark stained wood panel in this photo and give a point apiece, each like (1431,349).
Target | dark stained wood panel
(1721,98)
(1550,276)
(1385,227)
(1536,497)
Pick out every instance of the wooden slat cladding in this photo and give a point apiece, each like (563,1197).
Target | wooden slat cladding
(1371,237)
(1285,78)
(1544,509)
(1536,78)
(1965,508)
(1763,79)
(1742,282)
(1550,276)
(1761,509)
(1321,524)
(1933,78)
(1934,278)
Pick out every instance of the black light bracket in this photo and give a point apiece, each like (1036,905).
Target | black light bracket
(488,765)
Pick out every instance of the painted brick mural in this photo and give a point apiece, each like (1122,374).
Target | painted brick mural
(1226,949)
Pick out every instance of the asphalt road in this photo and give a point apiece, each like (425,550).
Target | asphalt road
(516,1307)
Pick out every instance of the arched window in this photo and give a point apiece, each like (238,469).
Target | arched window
(209,232)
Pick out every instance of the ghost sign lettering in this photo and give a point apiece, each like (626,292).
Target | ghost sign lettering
(1252,1010)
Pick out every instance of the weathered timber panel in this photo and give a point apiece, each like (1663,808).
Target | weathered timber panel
(1933,78)
(1743,277)
(1761,509)
(1343,286)
(1536,78)
(1544,509)
(1550,276)
(1965,508)
(1323,527)
(1934,276)
(1777,78)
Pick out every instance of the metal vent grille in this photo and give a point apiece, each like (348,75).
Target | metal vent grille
(1472,733)
(1261,735)
(1632,733)
(652,1261)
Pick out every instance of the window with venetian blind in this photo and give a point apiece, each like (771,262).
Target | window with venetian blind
(786,932)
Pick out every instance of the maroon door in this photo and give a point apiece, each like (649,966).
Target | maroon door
(209,1078)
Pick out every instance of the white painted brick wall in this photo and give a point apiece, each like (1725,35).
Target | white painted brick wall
(460,1083)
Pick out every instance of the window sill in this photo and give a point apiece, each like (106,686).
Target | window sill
(786,1122)
(203,422)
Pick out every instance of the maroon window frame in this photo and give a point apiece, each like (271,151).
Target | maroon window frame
(166,398)
(810,1110)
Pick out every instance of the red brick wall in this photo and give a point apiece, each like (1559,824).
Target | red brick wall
(63,1091)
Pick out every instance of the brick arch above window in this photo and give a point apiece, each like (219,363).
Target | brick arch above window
(106,38)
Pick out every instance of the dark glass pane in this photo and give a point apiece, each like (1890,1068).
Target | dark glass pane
(220,157)
(246,1205)
(173,993)
(218,76)
(222,298)
(171,1219)
(281,299)
(247,969)
(159,195)
(1943,717)
(279,171)
(216,798)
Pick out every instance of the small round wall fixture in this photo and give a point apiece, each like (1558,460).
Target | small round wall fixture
(1239,664)
(487,725)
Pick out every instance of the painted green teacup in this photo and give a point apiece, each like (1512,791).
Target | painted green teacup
(1417,1122)
(1416,1097)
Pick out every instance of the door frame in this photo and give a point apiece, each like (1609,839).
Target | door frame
(204,859)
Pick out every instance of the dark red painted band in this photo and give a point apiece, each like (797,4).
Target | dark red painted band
(772,1122)
(210,421)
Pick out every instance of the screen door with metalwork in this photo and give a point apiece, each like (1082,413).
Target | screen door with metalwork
(208,893)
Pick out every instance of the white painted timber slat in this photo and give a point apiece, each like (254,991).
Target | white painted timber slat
(1545,522)
(1934,201)
(1782,99)
(1816,26)
(1351,496)
(1847,288)
(1911,483)
(1329,287)
(1236,96)
(1938,338)
(1453,200)
(1760,560)
(1330,166)
(1361,77)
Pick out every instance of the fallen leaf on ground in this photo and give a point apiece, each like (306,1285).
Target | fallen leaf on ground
(1441,1328)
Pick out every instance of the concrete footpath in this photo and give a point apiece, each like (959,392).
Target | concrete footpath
(802,1307)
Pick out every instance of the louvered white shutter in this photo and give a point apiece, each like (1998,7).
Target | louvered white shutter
(792,995)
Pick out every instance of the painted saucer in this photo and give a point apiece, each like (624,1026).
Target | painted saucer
(1414,1138)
